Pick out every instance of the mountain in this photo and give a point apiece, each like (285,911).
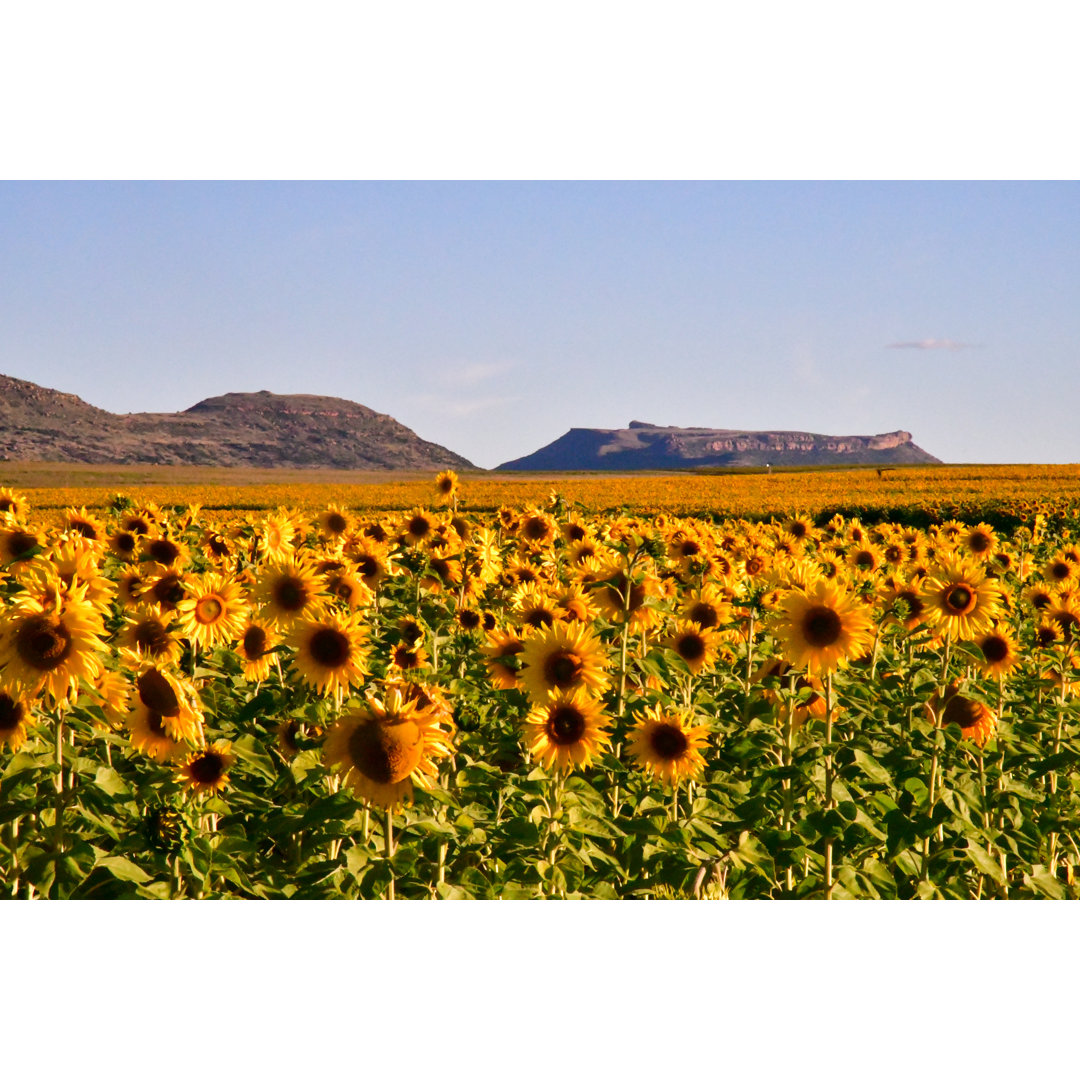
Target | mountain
(256,430)
(646,446)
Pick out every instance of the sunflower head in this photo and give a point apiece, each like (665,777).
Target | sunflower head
(566,730)
(206,771)
(668,746)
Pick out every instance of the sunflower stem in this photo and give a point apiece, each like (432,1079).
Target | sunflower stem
(786,784)
(388,850)
(58,824)
(1052,778)
(828,780)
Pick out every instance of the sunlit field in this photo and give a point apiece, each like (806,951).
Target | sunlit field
(799,684)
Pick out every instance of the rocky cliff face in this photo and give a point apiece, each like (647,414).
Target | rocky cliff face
(255,430)
(646,446)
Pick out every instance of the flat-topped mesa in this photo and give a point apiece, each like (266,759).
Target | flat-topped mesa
(649,446)
(260,430)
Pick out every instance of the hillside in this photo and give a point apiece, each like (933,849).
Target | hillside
(646,446)
(261,430)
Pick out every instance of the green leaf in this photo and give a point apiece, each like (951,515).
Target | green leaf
(124,869)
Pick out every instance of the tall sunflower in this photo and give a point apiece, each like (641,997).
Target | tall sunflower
(960,601)
(568,729)
(385,746)
(289,592)
(166,701)
(668,747)
(254,647)
(45,648)
(213,612)
(446,485)
(976,720)
(695,646)
(148,633)
(330,653)
(206,771)
(822,627)
(563,657)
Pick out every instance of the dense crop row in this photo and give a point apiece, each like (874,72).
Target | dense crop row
(543,700)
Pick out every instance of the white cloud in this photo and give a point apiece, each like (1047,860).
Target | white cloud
(932,343)
(476,372)
(437,403)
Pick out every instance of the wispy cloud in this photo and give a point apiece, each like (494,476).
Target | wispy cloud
(476,372)
(932,343)
(461,408)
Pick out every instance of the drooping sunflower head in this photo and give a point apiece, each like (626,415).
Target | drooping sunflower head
(13,504)
(14,718)
(568,729)
(385,746)
(255,646)
(976,720)
(668,746)
(166,701)
(502,658)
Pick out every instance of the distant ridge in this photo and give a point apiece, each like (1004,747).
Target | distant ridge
(260,430)
(646,446)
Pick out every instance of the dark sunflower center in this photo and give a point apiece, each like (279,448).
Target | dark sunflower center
(83,528)
(419,526)
(914,604)
(1060,570)
(469,620)
(995,649)
(566,725)
(254,642)
(705,615)
(754,565)
(668,742)
(563,669)
(797,529)
(124,542)
(163,551)
(156,693)
(406,658)
(368,566)
(329,647)
(11,712)
(538,617)
(575,532)
(168,591)
(690,548)
(153,722)
(446,485)
(43,642)
(1067,621)
(1045,636)
(864,560)
(136,525)
(151,636)
(385,753)
(535,529)
(20,544)
(208,610)
(5,505)
(336,523)
(979,542)
(962,711)
(290,594)
(822,627)
(959,600)
(691,646)
(207,768)
(411,633)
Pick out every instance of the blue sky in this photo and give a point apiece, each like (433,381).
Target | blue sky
(491,317)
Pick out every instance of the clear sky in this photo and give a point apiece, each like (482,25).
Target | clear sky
(491,317)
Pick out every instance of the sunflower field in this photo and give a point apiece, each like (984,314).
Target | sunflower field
(538,700)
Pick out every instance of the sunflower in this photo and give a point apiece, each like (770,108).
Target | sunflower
(385,746)
(14,718)
(148,734)
(999,652)
(976,721)
(131,587)
(147,632)
(535,608)
(124,545)
(408,657)
(206,771)
(215,546)
(167,553)
(961,602)
(446,485)
(416,527)
(213,612)
(665,745)
(254,647)
(822,627)
(349,588)
(572,604)
(334,521)
(812,703)
(566,730)
(83,524)
(289,592)
(709,608)
(166,590)
(166,702)
(980,541)
(45,648)
(1060,571)
(536,527)
(277,536)
(18,544)
(330,653)
(563,657)
(13,504)
(1048,634)
(695,645)
(1065,611)
(502,658)
(865,559)
(904,605)
(611,593)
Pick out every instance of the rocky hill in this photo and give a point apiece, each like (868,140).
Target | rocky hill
(646,446)
(254,430)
